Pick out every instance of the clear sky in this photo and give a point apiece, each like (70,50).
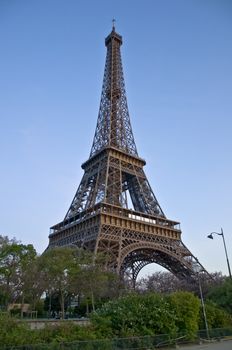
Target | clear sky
(177,59)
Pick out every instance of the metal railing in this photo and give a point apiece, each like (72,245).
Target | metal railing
(136,343)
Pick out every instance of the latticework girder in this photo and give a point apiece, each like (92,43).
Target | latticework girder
(109,178)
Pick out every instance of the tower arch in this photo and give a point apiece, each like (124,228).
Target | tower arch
(135,257)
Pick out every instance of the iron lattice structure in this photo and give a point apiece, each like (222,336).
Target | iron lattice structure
(99,218)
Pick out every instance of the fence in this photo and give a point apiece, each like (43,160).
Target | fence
(138,343)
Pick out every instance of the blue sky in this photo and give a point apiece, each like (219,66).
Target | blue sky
(177,58)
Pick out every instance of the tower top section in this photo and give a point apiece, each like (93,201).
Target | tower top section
(113,36)
(113,124)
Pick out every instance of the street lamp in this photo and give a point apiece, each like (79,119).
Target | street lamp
(203,307)
(222,234)
(198,271)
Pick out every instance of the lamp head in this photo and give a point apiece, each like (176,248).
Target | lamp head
(210,236)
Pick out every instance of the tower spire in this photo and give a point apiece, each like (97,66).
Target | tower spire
(113,124)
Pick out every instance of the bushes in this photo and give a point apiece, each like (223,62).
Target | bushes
(186,307)
(15,332)
(11,330)
(152,314)
(216,317)
(222,295)
(133,315)
(136,315)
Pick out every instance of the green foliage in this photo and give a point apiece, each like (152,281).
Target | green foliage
(216,317)
(16,263)
(186,307)
(66,331)
(15,332)
(58,266)
(69,272)
(39,307)
(135,315)
(130,316)
(94,283)
(61,272)
(150,314)
(222,295)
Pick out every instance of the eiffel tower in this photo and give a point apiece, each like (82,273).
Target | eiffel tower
(99,218)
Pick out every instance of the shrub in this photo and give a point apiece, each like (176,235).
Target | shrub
(136,315)
(216,317)
(222,295)
(15,332)
(186,307)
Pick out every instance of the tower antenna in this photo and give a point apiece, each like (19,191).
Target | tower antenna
(113,24)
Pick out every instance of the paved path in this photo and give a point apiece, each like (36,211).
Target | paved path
(223,345)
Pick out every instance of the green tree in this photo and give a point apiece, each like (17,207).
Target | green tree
(59,267)
(93,283)
(33,285)
(16,262)
(222,295)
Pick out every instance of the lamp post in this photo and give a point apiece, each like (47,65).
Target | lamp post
(222,234)
(198,271)
(203,307)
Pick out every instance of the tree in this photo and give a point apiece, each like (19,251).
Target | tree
(221,295)
(16,261)
(33,285)
(93,280)
(160,282)
(58,267)
(94,283)
(166,282)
